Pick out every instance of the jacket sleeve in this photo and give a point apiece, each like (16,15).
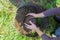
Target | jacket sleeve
(45,37)
(53,11)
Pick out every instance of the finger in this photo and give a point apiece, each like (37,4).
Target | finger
(26,24)
(31,22)
(28,14)
(28,27)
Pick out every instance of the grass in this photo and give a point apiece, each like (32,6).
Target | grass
(7,14)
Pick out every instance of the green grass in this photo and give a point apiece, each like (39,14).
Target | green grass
(7,29)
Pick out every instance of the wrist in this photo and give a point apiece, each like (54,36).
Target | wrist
(36,28)
(39,32)
(40,15)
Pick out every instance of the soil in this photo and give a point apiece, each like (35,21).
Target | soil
(21,18)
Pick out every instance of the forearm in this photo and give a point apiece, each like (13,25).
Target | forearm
(40,33)
(40,15)
(50,12)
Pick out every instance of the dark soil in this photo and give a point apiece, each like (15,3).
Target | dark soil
(21,18)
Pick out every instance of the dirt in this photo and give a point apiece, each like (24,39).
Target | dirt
(21,18)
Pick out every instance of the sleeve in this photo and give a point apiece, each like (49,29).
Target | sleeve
(53,11)
(45,37)
(55,38)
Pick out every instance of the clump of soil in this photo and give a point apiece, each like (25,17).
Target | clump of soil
(21,18)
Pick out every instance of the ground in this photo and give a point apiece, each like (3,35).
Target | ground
(7,15)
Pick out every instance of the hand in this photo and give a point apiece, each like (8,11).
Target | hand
(32,26)
(32,14)
(39,15)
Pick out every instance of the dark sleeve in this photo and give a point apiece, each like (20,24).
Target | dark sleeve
(53,11)
(45,37)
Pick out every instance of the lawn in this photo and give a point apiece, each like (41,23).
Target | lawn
(7,15)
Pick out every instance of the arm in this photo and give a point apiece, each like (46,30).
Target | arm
(39,32)
(44,36)
(50,12)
